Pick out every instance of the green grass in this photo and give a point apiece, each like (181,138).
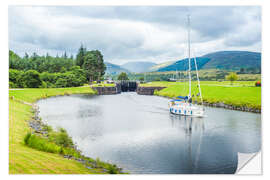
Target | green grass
(26,160)
(241,93)
(31,95)
(103,85)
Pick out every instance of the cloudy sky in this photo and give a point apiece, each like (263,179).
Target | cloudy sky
(133,33)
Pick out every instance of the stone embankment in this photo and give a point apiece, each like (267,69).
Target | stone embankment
(38,127)
(148,90)
(103,90)
(227,106)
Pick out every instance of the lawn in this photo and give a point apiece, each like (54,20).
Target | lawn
(241,93)
(25,160)
(103,85)
(31,95)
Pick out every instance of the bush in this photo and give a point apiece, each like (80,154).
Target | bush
(40,143)
(29,79)
(12,85)
(61,83)
(47,128)
(61,138)
(43,85)
(26,138)
(258,84)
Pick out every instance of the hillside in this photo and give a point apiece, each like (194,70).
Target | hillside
(114,69)
(161,65)
(227,60)
(233,60)
(182,65)
(138,66)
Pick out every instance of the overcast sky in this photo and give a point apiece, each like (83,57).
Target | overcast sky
(126,33)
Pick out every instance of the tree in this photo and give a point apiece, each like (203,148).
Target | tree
(65,55)
(101,67)
(89,65)
(123,76)
(30,79)
(242,70)
(93,65)
(80,56)
(157,79)
(61,83)
(232,77)
(141,79)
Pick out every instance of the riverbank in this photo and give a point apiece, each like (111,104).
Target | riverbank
(26,160)
(242,95)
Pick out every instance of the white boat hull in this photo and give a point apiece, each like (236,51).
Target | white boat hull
(186,109)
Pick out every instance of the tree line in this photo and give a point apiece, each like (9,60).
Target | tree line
(49,72)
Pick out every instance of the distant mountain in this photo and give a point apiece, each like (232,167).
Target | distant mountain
(138,66)
(233,60)
(229,60)
(182,65)
(161,65)
(114,69)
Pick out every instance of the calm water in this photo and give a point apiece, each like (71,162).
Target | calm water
(139,134)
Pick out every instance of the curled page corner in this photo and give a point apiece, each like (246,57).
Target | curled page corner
(244,159)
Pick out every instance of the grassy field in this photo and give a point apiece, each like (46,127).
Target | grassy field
(241,93)
(103,85)
(25,160)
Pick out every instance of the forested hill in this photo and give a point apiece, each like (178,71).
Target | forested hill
(233,60)
(228,60)
(138,66)
(47,71)
(114,69)
(182,65)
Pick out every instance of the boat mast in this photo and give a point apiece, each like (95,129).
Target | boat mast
(199,86)
(189,56)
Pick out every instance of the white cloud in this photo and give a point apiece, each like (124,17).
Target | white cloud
(123,34)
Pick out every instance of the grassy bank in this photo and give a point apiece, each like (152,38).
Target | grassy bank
(26,160)
(241,93)
(103,85)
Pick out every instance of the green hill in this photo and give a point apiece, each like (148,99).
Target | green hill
(227,60)
(182,65)
(233,60)
(161,65)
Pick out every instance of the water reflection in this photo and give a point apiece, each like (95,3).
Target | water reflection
(191,126)
(139,134)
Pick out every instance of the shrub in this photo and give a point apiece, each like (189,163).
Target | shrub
(40,143)
(232,77)
(12,85)
(61,138)
(47,128)
(29,79)
(258,83)
(61,83)
(26,138)
(43,85)
(112,169)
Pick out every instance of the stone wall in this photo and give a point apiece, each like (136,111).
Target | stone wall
(227,106)
(147,90)
(108,90)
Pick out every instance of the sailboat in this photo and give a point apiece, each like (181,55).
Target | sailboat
(183,104)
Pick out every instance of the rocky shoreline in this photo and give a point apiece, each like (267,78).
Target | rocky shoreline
(231,107)
(39,127)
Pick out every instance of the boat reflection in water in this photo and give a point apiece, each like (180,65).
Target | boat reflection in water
(192,126)
(144,138)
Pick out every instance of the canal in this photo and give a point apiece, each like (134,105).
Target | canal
(138,133)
